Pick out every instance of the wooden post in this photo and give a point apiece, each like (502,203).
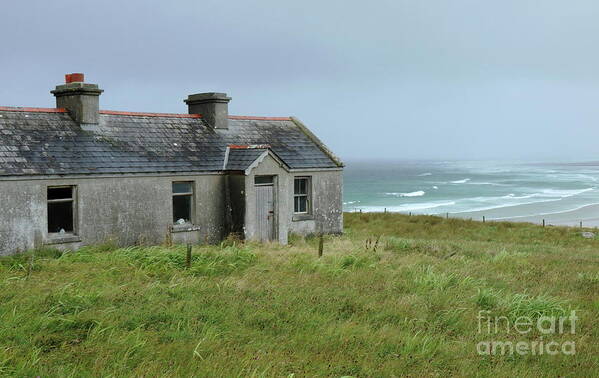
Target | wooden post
(446,215)
(483,219)
(30,267)
(188,260)
(410,214)
(580,224)
(543,222)
(320,245)
(168,240)
(385,210)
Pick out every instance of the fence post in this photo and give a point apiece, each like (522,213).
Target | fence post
(580,224)
(543,222)
(30,266)
(320,245)
(446,215)
(168,240)
(483,219)
(188,259)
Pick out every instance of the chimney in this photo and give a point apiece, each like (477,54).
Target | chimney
(80,99)
(214,108)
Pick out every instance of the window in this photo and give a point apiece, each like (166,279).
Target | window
(61,209)
(301,195)
(264,180)
(182,202)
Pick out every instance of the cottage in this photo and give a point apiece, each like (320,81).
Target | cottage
(76,175)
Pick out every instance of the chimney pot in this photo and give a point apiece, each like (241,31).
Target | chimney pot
(74,78)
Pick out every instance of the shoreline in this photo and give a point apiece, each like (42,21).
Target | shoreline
(588,215)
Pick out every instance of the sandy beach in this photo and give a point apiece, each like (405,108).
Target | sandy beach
(588,215)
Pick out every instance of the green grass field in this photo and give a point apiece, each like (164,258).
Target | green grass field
(410,306)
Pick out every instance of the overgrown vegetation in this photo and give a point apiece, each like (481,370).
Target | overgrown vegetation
(396,295)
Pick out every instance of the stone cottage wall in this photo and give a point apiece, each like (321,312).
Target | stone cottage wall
(126,210)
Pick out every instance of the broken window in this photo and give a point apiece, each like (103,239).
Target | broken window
(61,209)
(182,202)
(301,195)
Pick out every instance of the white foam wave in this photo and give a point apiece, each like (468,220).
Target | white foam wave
(594,179)
(547,195)
(461,181)
(487,183)
(435,187)
(500,206)
(418,193)
(564,193)
(550,193)
(513,196)
(406,207)
(550,213)
(425,174)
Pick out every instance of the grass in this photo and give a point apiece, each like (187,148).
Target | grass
(407,305)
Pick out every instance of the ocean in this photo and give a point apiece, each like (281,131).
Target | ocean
(560,193)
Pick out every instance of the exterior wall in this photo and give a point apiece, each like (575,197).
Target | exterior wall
(138,209)
(327,201)
(127,210)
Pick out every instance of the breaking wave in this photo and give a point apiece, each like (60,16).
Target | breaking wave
(550,193)
(461,181)
(418,193)
(564,193)
(406,207)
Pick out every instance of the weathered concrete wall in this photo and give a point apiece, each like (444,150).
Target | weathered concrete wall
(327,201)
(130,210)
(127,210)
(327,204)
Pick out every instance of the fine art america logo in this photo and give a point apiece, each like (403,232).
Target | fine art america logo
(524,325)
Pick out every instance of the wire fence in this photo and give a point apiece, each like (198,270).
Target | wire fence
(483,218)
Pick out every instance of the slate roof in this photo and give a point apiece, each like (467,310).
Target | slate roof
(239,159)
(49,142)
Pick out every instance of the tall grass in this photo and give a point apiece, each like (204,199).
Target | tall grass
(245,309)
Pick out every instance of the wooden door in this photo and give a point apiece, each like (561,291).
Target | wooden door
(265,212)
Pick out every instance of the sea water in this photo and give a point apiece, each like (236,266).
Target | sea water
(501,190)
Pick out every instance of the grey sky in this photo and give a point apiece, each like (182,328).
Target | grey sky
(448,79)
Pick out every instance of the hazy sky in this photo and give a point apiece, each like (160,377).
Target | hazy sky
(417,79)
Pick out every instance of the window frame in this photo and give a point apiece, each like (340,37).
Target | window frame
(74,209)
(192,201)
(308,196)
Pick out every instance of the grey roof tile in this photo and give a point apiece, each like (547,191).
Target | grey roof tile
(51,143)
(240,159)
